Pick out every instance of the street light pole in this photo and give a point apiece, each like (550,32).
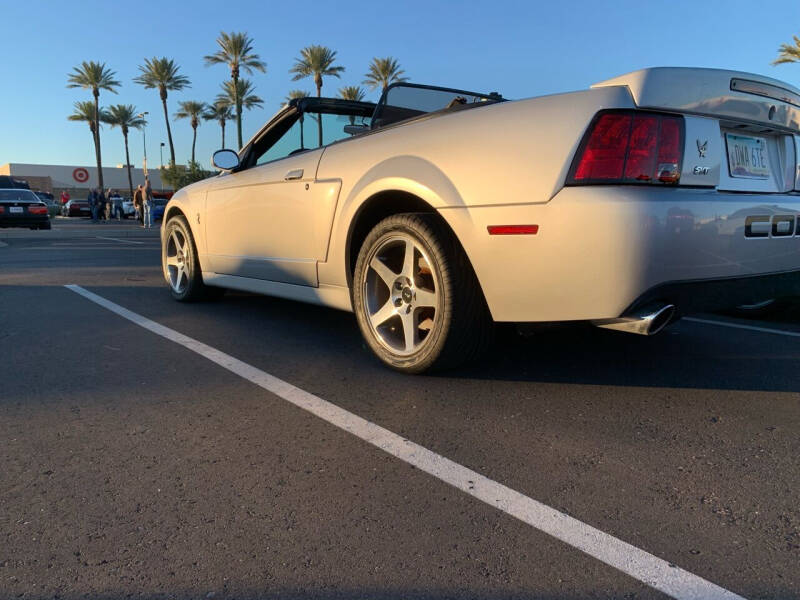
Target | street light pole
(144,140)
(161,152)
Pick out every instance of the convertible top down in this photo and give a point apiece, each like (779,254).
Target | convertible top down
(436,212)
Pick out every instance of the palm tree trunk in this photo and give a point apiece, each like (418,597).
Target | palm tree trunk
(319,115)
(194,139)
(238,109)
(169,131)
(98,154)
(222,126)
(128,165)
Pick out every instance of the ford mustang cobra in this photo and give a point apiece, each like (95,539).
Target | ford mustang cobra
(437,212)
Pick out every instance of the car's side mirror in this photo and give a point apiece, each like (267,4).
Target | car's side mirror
(355,129)
(226,160)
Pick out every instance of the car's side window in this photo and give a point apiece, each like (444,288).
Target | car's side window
(307,133)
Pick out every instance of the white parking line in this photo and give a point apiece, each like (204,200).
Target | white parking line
(643,566)
(119,240)
(740,326)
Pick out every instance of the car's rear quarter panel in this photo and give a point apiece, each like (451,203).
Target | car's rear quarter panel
(499,155)
(598,247)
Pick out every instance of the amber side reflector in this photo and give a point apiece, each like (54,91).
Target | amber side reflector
(513,229)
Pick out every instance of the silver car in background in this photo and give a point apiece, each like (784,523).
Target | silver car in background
(437,212)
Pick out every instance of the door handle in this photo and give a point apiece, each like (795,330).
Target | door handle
(294,174)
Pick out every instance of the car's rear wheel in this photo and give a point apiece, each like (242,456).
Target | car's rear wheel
(416,297)
(181,264)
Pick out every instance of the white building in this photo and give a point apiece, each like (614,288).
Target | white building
(78,180)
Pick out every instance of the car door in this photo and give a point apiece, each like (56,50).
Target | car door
(271,218)
(260,221)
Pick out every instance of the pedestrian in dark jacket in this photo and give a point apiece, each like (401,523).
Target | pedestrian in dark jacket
(92,200)
(101,204)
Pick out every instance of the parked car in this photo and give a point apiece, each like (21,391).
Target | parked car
(7,182)
(160,200)
(21,208)
(76,208)
(437,212)
(128,209)
(46,197)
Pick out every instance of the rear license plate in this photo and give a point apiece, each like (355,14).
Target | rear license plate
(748,156)
(15,209)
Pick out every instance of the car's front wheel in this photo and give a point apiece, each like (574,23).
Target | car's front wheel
(416,297)
(181,264)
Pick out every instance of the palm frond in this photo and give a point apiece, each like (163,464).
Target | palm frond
(219,112)
(383,72)
(244,90)
(236,51)
(93,76)
(161,73)
(316,61)
(352,92)
(125,116)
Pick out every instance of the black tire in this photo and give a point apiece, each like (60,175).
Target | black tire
(461,329)
(193,289)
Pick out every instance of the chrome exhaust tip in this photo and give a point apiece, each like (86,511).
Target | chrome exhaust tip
(646,321)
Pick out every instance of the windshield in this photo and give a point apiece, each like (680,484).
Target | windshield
(18,196)
(405,100)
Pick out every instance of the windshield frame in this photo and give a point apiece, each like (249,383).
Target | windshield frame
(490,98)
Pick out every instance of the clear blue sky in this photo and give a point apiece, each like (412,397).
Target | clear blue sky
(520,49)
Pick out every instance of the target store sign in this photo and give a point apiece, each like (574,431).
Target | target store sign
(80,175)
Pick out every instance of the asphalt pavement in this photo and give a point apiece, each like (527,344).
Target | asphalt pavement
(135,467)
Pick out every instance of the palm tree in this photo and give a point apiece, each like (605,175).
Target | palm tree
(125,117)
(85,111)
(219,113)
(294,95)
(788,53)
(352,92)
(236,51)
(162,73)
(316,61)
(190,109)
(239,95)
(382,72)
(94,76)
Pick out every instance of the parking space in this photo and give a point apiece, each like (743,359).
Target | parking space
(137,466)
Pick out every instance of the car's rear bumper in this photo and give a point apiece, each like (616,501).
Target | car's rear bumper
(26,221)
(602,250)
(714,294)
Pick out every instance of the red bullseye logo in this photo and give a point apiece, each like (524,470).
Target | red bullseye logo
(80,175)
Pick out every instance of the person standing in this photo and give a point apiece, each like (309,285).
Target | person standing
(114,205)
(118,206)
(138,205)
(92,200)
(100,200)
(147,201)
(64,197)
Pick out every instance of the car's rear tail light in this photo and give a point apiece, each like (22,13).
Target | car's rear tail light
(630,147)
(37,210)
(2,209)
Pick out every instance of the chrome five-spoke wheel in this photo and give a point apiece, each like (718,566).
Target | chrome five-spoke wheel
(177,254)
(400,294)
(415,295)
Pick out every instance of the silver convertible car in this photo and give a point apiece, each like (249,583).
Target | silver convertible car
(436,212)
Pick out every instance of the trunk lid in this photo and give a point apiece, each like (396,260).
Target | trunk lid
(741,128)
(734,95)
